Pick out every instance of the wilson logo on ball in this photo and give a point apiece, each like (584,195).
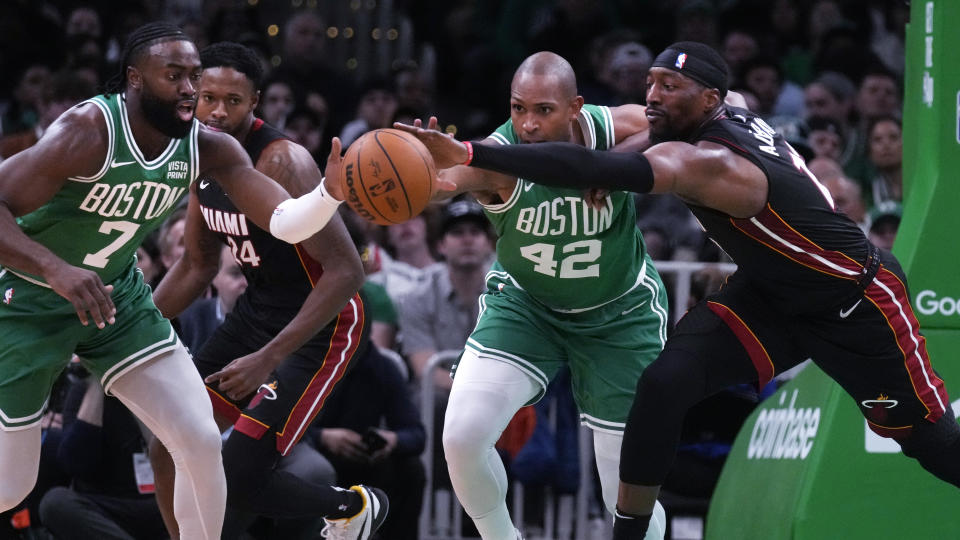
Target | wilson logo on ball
(387,176)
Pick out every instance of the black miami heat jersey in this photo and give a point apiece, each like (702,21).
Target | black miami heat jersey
(798,250)
(279,275)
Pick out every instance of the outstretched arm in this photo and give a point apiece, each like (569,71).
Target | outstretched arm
(706,174)
(264,201)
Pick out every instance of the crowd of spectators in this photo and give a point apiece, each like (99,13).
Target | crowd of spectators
(346,67)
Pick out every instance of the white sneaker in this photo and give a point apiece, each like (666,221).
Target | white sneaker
(365,522)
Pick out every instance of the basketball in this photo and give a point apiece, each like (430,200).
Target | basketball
(387,176)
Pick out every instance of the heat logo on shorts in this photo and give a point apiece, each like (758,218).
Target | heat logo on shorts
(877,408)
(8,295)
(267,391)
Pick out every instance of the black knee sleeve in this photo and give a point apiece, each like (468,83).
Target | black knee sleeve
(665,391)
(936,446)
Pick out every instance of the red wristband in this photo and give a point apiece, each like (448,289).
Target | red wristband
(469,152)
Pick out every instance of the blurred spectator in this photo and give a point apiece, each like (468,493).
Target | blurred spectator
(414,91)
(148,260)
(564,26)
(889,25)
(378,104)
(886,154)
(739,47)
(61,91)
(878,95)
(884,223)
(847,198)
(85,43)
(674,232)
(695,20)
(825,15)
(824,168)
(277,103)
(830,95)
(777,97)
(445,307)
(170,239)
(21,114)
(406,259)
(111,496)
(370,430)
(306,66)
(596,85)
(825,137)
(749,97)
(629,63)
(306,128)
(197,322)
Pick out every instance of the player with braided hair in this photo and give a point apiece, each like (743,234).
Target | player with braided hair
(73,209)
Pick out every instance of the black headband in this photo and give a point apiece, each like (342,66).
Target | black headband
(708,70)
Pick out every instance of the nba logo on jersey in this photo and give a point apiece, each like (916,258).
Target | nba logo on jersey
(8,295)
(681,60)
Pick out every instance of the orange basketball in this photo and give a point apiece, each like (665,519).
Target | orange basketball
(387,176)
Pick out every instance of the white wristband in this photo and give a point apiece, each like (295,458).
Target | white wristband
(295,220)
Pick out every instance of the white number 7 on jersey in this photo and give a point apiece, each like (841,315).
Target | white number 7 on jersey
(100,259)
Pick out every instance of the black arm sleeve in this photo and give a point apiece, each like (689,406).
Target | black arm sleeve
(567,165)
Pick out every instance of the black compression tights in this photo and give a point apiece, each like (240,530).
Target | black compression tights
(255,485)
(937,447)
(672,384)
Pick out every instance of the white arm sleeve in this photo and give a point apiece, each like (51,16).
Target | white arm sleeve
(295,220)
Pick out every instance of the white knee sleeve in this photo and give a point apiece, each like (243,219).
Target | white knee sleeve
(168,396)
(486,394)
(19,463)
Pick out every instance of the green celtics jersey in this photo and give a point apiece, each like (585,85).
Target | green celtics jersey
(563,253)
(97,222)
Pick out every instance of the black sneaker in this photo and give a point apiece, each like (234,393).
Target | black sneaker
(362,525)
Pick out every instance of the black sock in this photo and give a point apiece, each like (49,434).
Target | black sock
(350,506)
(629,526)
(255,485)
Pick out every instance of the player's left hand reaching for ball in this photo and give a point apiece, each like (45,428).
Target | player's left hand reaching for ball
(332,171)
(446,150)
(243,376)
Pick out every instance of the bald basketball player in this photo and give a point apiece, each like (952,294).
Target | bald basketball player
(572,285)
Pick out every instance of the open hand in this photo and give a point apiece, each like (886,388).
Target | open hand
(446,150)
(84,289)
(332,171)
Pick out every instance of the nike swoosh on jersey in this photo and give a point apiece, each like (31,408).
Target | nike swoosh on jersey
(116,164)
(845,314)
(633,308)
(527,185)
